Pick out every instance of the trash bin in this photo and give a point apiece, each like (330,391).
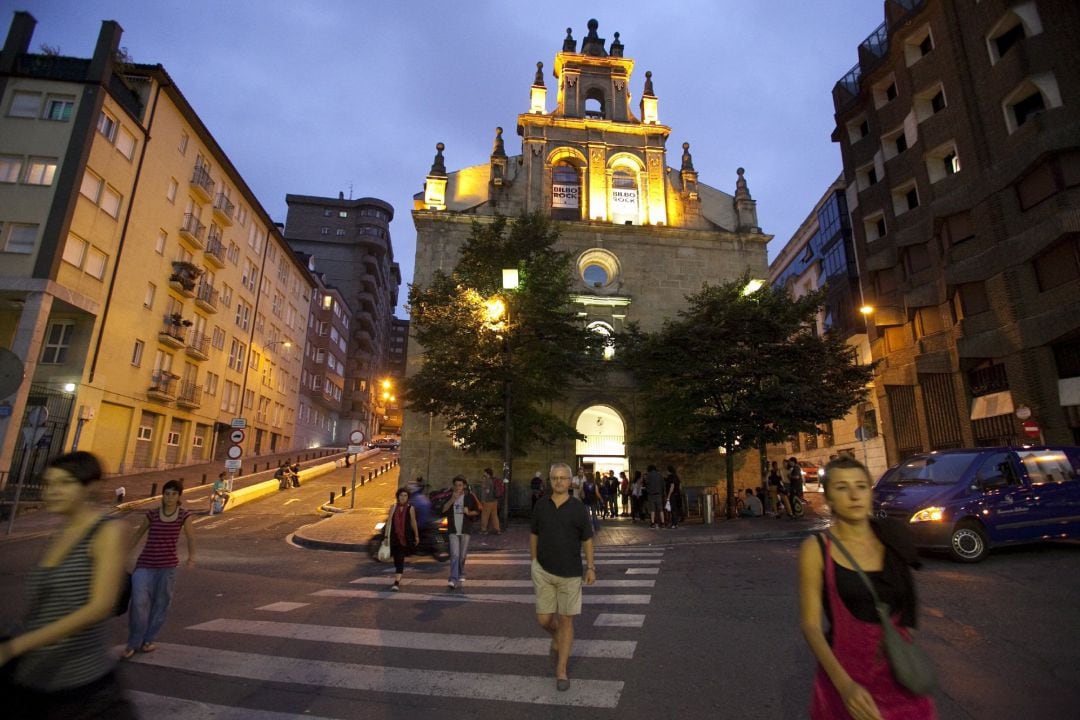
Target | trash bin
(707,507)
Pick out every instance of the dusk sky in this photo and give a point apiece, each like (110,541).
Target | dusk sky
(319,97)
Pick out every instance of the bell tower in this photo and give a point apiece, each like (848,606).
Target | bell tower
(591,158)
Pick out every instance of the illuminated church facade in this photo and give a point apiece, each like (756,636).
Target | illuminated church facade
(644,234)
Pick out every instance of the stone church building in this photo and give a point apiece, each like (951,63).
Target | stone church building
(644,233)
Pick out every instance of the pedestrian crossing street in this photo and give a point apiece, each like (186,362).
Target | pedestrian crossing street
(613,614)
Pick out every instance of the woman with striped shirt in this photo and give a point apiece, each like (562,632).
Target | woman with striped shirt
(65,669)
(154,578)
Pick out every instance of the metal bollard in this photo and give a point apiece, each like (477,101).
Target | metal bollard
(153,489)
(203,482)
(332,497)
(342,491)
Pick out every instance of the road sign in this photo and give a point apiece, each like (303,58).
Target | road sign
(232,465)
(234,452)
(37,416)
(236,437)
(356,437)
(1023,412)
(238,423)
(355,449)
(1031,428)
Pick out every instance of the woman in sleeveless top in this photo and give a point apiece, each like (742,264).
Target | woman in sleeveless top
(853,677)
(403,533)
(154,578)
(64,667)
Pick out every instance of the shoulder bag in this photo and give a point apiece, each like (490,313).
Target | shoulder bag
(910,665)
(384,548)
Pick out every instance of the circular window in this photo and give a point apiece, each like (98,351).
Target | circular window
(598,268)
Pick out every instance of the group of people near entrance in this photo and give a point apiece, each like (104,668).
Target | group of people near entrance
(838,613)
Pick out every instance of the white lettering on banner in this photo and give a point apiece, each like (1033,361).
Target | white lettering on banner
(565,196)
(624,200)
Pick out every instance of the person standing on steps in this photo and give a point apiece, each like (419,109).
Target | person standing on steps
(154,578)
(460,509)
(560,534)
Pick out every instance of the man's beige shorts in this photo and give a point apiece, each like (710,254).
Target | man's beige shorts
(555,594)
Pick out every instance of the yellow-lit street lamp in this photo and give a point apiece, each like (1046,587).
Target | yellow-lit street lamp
(510,281)
(752,286)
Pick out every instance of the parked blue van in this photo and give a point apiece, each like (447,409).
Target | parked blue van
(968,501)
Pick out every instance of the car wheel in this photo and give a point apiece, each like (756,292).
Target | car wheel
(968,542)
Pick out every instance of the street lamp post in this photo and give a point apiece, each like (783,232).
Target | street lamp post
(509,282)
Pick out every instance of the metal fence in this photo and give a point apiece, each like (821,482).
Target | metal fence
(30,459)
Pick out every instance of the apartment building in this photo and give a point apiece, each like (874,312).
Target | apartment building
(960,136)
(149,295)
(322,379)
(820,255)
(351,239)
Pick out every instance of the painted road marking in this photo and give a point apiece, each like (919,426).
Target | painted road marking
(160,706)
(477,559)
(379,678)
(460,597)
(642,571)
(282,606)
(410,581)
(490,644)
(619,620)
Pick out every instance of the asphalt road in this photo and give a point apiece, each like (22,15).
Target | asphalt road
(264,629)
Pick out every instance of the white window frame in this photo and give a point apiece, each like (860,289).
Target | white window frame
(137,353)
(55,352)
(96,263)
(75,250)
(11,167)
(20,106)
(107,125)
(15,237)
(66,104)
(40,171)
(91,186)
(111,200)
(125,143)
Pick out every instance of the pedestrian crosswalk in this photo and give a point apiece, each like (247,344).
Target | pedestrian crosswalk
(443,663)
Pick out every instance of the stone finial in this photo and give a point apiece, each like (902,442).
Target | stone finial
(687,160)
(648,83)
(741,190)
(538,79)
(616,47)
(593,44)
(438,167)
(569,44)
(499,150)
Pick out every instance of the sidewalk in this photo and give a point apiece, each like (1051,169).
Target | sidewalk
(349,531)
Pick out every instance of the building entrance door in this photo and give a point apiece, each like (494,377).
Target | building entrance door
(604,447)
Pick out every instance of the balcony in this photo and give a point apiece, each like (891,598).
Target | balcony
(363,340)
(192,230)
(173,331)
(215,251)
(184,277)
(162,386)
(206,297)
(198,346)
(190,395)
(223,209)
(201,184)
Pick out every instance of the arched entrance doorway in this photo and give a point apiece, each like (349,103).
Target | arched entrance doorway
(604,447)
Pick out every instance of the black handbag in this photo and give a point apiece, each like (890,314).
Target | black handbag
(910,664)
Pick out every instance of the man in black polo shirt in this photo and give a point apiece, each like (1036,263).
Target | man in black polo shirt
(560,530)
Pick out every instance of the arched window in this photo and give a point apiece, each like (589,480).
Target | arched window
(594,104)
(565,192)
(624,197)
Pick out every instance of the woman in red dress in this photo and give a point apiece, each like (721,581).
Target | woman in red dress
(853,677)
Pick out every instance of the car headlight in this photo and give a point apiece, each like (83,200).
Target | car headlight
(930,514)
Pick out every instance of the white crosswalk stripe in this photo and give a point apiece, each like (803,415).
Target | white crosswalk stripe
(524,598)
(383,679)
(498,578)
(445,642)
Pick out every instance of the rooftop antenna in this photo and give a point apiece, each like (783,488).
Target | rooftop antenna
(350,191)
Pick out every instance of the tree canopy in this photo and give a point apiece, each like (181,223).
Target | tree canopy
(736,369)
(539,345)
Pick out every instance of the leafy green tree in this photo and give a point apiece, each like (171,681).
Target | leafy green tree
(539,345)
(736,369)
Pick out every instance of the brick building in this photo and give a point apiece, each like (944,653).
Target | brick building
(960,135)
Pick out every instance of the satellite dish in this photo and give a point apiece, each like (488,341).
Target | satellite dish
(11,372)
